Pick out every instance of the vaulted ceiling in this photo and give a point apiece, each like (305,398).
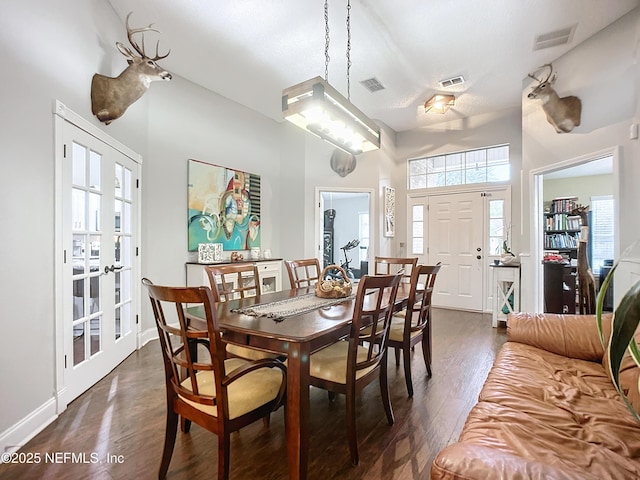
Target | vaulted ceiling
(250,50)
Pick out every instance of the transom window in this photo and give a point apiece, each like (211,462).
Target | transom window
(483,165)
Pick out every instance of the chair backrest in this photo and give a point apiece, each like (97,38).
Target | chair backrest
(178,342)
(374,306)
(239,280)
(303,273)
(423,279)
(392,265)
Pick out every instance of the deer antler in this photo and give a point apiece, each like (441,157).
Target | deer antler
(548,76)
(132,31)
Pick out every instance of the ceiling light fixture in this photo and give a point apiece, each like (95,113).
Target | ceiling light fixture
(439,103)
(317,107)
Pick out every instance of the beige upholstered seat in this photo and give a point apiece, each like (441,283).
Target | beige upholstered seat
(236,281)
(220,395)
(348,366)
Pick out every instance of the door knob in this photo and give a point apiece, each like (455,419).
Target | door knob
(478,249)
(112,268)
(478,257)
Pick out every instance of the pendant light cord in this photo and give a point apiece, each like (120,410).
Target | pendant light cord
(326,41)
(348,49)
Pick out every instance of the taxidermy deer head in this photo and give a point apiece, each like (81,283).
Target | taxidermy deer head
(563,113)
(110,97)
(342,163)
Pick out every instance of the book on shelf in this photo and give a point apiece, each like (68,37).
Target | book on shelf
(564,204)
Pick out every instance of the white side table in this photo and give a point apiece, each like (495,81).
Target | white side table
(506,278)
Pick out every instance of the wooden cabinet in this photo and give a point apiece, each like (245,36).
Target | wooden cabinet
(559,288)
(506,300)
(270,272)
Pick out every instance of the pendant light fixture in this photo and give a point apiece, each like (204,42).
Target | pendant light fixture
(317,107)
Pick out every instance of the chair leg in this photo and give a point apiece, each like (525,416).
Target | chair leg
(426,351)
(397,356)
(224,447)
(266,420)
(351,426)
(171,430)
(384,390)
(331,395)
(185,425)
(406,356)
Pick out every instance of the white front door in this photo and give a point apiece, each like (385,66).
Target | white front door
(455,240)
(99,233)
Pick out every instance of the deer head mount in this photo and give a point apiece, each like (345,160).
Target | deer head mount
(563,113)
(110,97)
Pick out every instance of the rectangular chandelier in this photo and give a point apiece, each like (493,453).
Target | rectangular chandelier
(319,108)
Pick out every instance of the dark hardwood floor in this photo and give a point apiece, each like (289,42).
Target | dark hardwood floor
(119,423)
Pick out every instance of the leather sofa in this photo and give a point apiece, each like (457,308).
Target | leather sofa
(548,409)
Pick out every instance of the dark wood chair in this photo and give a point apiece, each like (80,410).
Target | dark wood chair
(392,265)
(349,365)
(221,395)
(303,273)
(413,324)
(240,280)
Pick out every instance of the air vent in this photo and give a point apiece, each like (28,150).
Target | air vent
(555,38)
(372,84)
(450,82)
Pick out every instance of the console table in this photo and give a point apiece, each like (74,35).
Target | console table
(269,271)
(506,299)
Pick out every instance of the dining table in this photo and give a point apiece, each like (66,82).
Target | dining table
(296,337)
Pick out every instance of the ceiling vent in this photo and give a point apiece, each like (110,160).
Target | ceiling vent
(555,38)
(451,82)
(372,84)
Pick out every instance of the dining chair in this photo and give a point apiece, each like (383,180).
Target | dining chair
(221,395)
(347,366)
(392,265)
(302,273)
(230,281)
(413,324)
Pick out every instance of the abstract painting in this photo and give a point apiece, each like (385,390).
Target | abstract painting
(223,207)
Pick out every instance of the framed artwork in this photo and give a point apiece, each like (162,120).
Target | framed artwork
(389,211)
(223,207)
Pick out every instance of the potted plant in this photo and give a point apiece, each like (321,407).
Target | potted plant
(625,322)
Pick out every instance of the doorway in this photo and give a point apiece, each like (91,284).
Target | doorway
(344,228)
(590,180)
(97,233)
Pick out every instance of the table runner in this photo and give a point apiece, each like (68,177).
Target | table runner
(289,307)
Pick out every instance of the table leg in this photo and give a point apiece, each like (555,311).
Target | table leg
(298,411)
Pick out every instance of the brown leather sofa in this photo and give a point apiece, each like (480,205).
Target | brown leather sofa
(548,409)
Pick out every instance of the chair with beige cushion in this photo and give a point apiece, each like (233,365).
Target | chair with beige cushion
(413,324)
(232,281)
(303,273)
(221,395)
(349,365)
(392,265)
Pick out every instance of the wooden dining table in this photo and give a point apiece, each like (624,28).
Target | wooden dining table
(295,337)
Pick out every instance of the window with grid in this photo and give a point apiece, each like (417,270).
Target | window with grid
(483,165)
(601,231)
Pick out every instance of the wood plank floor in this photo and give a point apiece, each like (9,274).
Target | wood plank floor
(121,419)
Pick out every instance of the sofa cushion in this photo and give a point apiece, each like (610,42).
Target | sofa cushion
(545,408)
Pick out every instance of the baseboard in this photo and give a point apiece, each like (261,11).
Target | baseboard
(146,336)
(19,434)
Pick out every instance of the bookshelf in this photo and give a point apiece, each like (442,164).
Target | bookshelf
(561,228)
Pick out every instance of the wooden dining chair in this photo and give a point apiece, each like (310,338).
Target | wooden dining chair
(347,366)
(392,265)
(221,395)
(413,324)
(232,281)
(303,273)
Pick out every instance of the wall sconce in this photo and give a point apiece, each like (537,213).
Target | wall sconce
(319,108)
(439,103)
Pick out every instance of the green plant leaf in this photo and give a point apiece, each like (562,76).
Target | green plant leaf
(625,323)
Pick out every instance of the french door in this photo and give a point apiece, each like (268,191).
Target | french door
(464,232)
(98,234)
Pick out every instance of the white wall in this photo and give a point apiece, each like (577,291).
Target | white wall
(603,73)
